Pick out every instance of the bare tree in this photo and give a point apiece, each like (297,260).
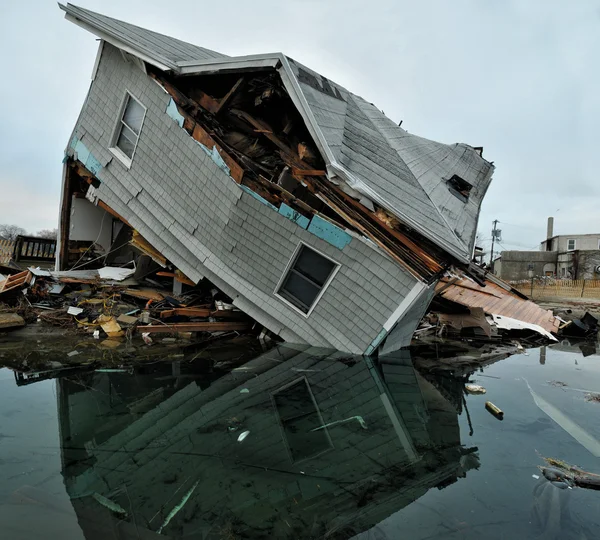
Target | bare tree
(10,232)
(51,234)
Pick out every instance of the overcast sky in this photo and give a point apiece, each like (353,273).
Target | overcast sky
(518,77)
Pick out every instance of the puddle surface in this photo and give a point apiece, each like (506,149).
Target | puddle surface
(299,443)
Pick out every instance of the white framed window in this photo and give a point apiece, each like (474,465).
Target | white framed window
(306,277)
(128,129)
(571,244)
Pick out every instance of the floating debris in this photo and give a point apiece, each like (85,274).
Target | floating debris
(595,398)
(243,435)
(496,411)
(112,506)
(475,389)
(178,507)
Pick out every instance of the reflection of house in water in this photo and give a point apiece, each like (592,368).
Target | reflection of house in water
(335,445)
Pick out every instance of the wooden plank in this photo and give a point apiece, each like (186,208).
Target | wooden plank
(139,242)
(196,327)
(429,261)
(368,234)
(293,159)
(185,312)
(203,312)
(105,206)
(308,172)
(223,102)
(146,294)
(202,136)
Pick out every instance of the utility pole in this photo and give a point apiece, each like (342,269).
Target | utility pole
(495,222)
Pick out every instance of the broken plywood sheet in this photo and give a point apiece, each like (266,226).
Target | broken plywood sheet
(11,320)
(495,299)
(110,326)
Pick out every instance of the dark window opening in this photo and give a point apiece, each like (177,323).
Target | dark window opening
(459,188)
(301,421)
(306,278)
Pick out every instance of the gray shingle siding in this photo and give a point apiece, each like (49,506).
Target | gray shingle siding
(201,220)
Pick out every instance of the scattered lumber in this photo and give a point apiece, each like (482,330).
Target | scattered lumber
(196,327)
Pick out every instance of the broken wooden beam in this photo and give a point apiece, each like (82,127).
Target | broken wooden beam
(196,327)
(308,172)
(178,275)
(202,136)
(139,242)
(203,312)
(108,209)
(223,102)
(185,312)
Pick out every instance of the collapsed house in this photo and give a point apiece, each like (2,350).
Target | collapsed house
(318,216)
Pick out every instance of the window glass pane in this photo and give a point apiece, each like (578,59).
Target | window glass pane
(314,266)
(126,141)
(134,114)
(299,416)
(299,291)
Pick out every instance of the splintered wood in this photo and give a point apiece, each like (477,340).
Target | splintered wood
(259,147)
(196,327)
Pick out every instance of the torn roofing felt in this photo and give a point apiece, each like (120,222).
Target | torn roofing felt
(435,189)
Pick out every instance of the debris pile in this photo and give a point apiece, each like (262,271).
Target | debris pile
(109,302)
(482,307)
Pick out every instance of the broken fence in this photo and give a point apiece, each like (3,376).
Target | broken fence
(6,250)
(560,288)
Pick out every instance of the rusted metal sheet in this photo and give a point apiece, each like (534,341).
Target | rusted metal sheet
(495,299)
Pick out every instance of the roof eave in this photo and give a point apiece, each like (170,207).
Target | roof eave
(80,19)
(238,63)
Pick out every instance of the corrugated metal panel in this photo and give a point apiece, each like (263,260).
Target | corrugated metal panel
(494,299)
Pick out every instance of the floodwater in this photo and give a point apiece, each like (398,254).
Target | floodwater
(300,443)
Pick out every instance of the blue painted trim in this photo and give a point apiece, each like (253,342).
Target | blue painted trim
(82,152)
(258,197)
(93,165)
(329,232)
(376,342)
(85,156)
(174,113)
(294,216)
(216,157)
